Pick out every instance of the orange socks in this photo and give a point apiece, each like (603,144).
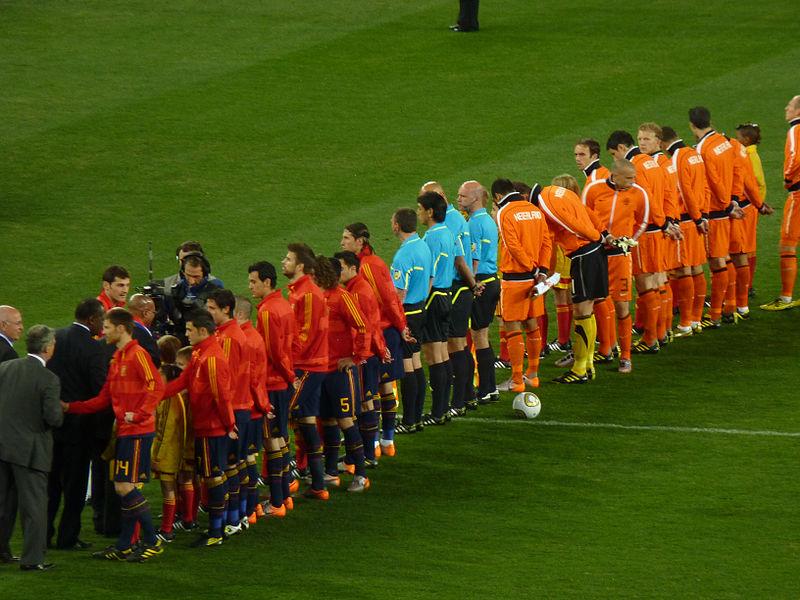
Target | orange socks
(602,317)
(533,340)
(751,259)
(729,305)
(700,285)
(503,343)
(650,307)
(719,286)
(684,291)
(742,285)
(624,335)
(665,311)
(516,352)
(788,274)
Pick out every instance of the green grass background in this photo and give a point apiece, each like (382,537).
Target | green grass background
(249,125)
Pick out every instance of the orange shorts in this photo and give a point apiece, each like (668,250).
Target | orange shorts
(692,246)
(671,254)
(647,255)
(738,234)
(516,302)
(790,225)
(619,278)
(718,241)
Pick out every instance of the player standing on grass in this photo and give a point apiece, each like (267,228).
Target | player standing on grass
(133,389)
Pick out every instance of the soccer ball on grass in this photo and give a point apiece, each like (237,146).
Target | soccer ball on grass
(526,405)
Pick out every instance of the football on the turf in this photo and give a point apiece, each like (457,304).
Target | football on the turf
(526,405)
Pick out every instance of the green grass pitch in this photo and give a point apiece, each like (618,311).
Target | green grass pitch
(248,125)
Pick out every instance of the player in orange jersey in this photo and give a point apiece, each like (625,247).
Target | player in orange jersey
(587,158)
(790,225)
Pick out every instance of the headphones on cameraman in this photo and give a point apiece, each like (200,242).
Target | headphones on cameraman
(204,264)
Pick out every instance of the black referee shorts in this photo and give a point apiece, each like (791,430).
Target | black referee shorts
(437,316)
(483,306)
(460,309)
(589,273)
(415,320)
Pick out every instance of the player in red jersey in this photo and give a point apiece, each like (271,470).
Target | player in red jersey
(356,238)
(310,357)
(208,381)
(133,389)
(116,283)
(275,325)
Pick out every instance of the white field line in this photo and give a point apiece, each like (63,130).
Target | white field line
(712,430)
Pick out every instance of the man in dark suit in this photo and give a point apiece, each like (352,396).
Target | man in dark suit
(467,16)
(81,365)
(143,310)
(10,332)
(29,408)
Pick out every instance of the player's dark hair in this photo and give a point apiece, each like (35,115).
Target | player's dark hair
(433,201)
(502,187)
(668,134)
(619,137)
(170,371)
(406,220)
(303,255)
(522,188)
(700,117)
(751,132)
(119,316)
(592,144)
(115,272)
(349,258)
(189,246)
(168,346)
(265,270)
(88,308)
(196,259)
(224,299)
(244,307)
(202,319)
(360,232)
(326,274)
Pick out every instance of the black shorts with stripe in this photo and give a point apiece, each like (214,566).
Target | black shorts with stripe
(237,449)
(437,316)
(305,400)
(483,306)
(460,309)
(132,458)
(415,320)
(589,273)
(211,455)
(392,370)
(279,400)
(341,395)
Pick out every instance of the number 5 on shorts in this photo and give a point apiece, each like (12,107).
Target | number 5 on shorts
(344,403)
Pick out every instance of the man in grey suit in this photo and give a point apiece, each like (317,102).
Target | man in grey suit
(10,332)
(29,409)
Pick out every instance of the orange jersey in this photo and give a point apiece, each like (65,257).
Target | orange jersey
(524,236)
(651,177)
(567,217)
(671,204)
(692,185)
(620,212)
(791,162)
(310,340)
(745,183)
(595,172)
(719,158)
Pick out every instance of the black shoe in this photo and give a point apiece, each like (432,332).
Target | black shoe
(185,526)
(39,567)
(459,29)
(166,537)
(112,553)
(79,545)
(8,558)
(472,404)
(419,427)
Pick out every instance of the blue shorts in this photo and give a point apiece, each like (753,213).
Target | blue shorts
(254,435)
(237,449)
(392,371)
(305,400)
(280,408)
(211,455)
(370,378)
(341,395)
(132,458)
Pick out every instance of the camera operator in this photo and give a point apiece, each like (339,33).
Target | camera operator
(189,293)
(180,253)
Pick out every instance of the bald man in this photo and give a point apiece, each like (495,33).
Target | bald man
(10,331)
(143,309)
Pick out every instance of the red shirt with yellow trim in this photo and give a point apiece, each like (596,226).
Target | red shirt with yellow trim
(258,370)
(365,297)
(108,303)
(377,275)
(348,336)
(237,353)
(208,380)
(133,385)
(310,342)
(275,325)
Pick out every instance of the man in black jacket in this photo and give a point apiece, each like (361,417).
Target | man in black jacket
(10,331)
(143,310)
(29,407)
(81,364)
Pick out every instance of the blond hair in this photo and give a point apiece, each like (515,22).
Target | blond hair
(566,180)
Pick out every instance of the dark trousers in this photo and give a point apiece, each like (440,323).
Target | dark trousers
(105,502)
(27,489)
(468,14)
(68,477)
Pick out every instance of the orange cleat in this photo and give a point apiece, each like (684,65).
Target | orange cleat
(378,451)
(531,382)
(316,494)
(388,449)
(253,518)
(289,503)
(274,512)
(259,510)
(294,486)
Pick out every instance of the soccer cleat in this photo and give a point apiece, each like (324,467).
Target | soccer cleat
(252,519)
(590,374)
(388,449)
(289,503)
(430,420)
(683,331)
(779,304)
(313,494)
(185,526)
(484,400)
(294,486)
(146,551)
(602,359)
(751,293)
(370,463)
(697,328)
(728,319)
(346,468)
(332,480)
(637,330)
(231,530)
(625,366)
(556,346)
(641,347)
(402,428)
(165,536)
(377,450)
(259,510)
(495,396)
(501,364)
(571,377)
(261,482)
(530,382)
(472,404)
(359,484)
(741,316)
(457,412)
(709,323)
(511,386)
(567,361)
(245,523)
(113,553)
(275,512)
(206,541)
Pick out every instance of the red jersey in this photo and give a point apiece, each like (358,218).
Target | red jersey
(107,302)
(691,181)
(275,325)
(377,275)
(237,354)
(718,157)
(208,380)
(310,342)
(365,297)
(569,221)
(620,212)
(347,330)
(258,370)
(133,385)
